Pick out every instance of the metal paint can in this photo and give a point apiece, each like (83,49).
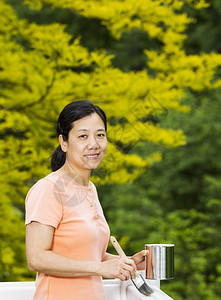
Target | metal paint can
(160,261)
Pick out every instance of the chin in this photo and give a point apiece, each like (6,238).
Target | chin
(93,166)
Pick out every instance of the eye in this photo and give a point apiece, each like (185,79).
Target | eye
(101,135)
(83,136)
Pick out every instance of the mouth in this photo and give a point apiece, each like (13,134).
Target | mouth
(92,156)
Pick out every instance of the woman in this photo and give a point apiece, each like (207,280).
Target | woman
(66,232)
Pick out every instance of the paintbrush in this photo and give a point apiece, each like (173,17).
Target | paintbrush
(138,281)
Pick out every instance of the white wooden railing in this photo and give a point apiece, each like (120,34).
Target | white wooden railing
(114,290)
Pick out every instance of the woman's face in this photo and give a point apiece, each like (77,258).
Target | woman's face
(87,143)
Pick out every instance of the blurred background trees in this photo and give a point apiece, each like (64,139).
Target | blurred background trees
(155,69)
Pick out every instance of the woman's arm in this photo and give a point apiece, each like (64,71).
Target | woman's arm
(108,256)
(40,258)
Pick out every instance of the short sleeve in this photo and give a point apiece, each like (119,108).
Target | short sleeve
(43,205)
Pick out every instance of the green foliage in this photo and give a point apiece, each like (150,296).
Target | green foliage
(45,67)
(12,246)
(206,24)
(178,201)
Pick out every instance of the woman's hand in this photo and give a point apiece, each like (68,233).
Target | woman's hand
(139,259)
(120,267)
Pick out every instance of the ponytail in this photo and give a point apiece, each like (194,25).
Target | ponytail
(58,158)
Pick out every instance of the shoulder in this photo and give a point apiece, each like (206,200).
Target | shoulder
(43,185)
(43,203)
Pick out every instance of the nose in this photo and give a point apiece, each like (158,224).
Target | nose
(93,143)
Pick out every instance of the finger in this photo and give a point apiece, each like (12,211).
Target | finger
(125,274)
(130,270)
(140,256)
(132,263)
(144,252)
(129,265)
(122,277)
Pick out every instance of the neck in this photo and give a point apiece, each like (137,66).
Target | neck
(82,177)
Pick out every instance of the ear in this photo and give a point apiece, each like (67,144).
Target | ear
(63,143)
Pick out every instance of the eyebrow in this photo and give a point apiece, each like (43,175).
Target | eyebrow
(101,129)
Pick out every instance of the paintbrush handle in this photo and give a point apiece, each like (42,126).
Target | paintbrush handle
(117,246)
(119,249)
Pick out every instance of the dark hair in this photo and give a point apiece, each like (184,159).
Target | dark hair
(72,112)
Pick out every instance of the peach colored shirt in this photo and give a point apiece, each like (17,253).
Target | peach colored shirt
(81,232)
